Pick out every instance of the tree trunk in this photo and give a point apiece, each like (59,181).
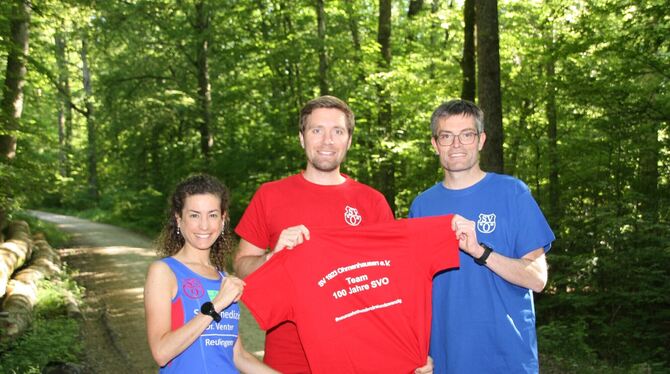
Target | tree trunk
(11,106)
(468,62)
(436,26)
(202,26)
(64,107)
(414,8)
(526,110)
(91,156)
(488,83)
(293,67)
(384,33)
(323,57)
(386,172)
(552,151)
(647,181)
(355,39)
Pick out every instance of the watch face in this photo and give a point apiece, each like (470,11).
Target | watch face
(208,309)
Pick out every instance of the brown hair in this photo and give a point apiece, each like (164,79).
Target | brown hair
(457,107)
(327,102)
(169,242)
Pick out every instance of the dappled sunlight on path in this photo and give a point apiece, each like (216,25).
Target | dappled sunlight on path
(111,264)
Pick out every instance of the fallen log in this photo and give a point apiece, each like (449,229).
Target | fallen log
(14,252)
(18,230)
(71,304)
(18,304)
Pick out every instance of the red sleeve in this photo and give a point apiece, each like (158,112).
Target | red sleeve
(267,294)
(253,226)
(433,238)
(380,207)
(384,210)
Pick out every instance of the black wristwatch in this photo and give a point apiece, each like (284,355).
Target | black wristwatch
(487,251)
(208,309)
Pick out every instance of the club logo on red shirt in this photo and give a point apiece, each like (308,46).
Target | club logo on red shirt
(351,216)
(193,288)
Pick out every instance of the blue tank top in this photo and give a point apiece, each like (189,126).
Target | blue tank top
(212,352)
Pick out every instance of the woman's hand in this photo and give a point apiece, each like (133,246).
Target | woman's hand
(230,291)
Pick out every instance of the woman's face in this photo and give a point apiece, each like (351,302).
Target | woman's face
(201,221)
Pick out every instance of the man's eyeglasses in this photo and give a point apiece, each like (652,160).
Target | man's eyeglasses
(466,137)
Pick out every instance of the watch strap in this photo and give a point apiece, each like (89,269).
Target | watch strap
(487,252)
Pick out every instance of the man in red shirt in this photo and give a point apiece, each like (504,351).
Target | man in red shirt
(280,212)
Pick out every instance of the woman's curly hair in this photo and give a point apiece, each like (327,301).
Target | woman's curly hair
(169,242)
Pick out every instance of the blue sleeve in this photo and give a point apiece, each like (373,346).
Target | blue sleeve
(533,230)
(411,211)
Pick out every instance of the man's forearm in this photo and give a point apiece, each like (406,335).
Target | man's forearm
(523,272)
(245,265)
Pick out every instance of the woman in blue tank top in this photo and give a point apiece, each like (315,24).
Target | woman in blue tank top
(191,307)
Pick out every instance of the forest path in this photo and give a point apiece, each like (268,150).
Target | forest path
(111,263)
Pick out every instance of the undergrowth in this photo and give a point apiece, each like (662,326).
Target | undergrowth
(53,335)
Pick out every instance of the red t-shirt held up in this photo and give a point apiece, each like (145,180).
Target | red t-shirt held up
(361,298)
(293,201)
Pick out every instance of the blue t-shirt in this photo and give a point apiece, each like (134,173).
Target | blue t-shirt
(212,352)
(482,323)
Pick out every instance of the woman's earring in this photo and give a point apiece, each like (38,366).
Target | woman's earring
(223,229)
(178,232)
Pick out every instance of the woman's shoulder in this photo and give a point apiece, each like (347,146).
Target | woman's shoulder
(159,268)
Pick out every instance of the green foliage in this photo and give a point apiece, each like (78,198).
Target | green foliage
(129,209)
(55,237)
(53,331)
(620,291)
(9,202)
(57,338)
(566,339)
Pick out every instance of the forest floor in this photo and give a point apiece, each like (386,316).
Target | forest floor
(111,264)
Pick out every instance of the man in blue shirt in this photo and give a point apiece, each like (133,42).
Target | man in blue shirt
(483,313)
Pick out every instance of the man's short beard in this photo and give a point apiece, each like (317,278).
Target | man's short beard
(325,166)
